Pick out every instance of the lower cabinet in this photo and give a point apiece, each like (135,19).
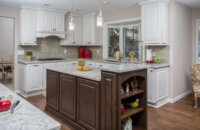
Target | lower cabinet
(53,90)
(88,104)
(157,85)
(68,96)
(108,101)
(73,99)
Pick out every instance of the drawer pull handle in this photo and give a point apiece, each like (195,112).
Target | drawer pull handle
(108,79)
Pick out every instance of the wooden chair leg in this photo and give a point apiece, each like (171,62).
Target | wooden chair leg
(195,100)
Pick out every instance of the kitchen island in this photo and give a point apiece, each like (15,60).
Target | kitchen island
(91,100)
(25,116)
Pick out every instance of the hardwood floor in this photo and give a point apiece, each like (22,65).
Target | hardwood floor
(178,116)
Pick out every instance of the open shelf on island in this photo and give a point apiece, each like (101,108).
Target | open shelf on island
(131,93)
(129,112)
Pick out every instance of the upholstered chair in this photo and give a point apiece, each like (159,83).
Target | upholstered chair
(195,73)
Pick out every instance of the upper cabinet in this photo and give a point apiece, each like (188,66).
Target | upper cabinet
(84,33)
(155,22)
(73,37)
(89,28)
(36,23)
(50,23)
(28,27)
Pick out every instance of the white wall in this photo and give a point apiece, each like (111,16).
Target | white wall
(180,33)
(12,12)
(6,36)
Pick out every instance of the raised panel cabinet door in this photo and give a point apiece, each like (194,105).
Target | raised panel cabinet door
(28,26)
(78,30)
(85,30)
(109,112)
(44,81)
(53,90)
(88,104)
(59,22)
(161,83)
(48,21)
(150,23)
(68,96)
(151,83)
(35,77)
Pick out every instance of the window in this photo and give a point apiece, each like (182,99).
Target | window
(198,41)
(123,37)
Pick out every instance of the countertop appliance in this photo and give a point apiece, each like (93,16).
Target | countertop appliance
(50,59)
(87,53)
(81,52)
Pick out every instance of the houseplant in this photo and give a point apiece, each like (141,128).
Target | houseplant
(29,55)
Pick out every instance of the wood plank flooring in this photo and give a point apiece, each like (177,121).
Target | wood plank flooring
(178,116)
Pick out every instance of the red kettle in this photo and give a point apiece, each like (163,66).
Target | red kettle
(87,53)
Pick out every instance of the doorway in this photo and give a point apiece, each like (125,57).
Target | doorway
(7,51)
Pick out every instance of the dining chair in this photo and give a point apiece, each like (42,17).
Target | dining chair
(8,66)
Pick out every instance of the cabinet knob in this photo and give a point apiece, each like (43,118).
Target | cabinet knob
(73,42)
(88,42)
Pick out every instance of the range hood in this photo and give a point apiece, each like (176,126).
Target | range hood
(44,34)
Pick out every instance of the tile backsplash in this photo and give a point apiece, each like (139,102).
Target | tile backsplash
(50,48)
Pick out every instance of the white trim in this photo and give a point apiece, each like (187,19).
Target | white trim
(124,21)
(197,48)
(179,97)
(159,104)
(152,1)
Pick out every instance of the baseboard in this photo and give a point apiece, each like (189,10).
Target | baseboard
(24,94)
(159,104)
(179,97)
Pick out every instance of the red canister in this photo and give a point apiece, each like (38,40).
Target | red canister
(81,52)
(87,53)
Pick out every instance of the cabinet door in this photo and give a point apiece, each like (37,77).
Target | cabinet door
(68,96)
(151,83)
(28,26)
(88,104)
(88,33)
(78,30)
(109,102)
(150,23)
(59,22)
(48,21)
(161,83)
(35,77)
(53,90)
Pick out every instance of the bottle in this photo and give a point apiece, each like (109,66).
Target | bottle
(127,88)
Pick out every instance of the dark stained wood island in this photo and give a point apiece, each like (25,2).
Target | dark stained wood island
(95,104)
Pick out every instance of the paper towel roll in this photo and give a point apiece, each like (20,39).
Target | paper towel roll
(148,55)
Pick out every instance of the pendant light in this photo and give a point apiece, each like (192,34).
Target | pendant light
(99,17)
(71,24)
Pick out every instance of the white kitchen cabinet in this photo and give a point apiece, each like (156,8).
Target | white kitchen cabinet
(45,73)
(91,64)
(154,22)
(30,78)
(88,29)
(157,86)
(50,23)
(28,26)
(73,37)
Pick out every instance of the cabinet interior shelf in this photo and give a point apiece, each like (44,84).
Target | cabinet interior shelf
(131,93)
(130,112)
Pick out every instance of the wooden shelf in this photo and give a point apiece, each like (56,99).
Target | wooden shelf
(131,93)
(130,112)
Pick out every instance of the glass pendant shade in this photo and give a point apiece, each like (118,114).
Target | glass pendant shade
(71,25)
(99,19)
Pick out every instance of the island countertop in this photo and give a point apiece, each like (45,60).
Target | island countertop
(26,116)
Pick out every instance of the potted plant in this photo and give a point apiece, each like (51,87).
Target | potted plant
(29,55)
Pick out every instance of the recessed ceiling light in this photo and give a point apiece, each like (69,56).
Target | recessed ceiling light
(46,4)
(106,2)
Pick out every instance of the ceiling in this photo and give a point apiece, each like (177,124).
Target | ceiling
(80,6)
(191,3)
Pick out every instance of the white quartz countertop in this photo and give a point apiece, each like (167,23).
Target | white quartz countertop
(26,116)
(93,74)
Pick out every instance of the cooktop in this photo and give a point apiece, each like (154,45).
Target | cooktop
(49,59)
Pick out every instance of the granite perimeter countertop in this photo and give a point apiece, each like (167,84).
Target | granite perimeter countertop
(26,116)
